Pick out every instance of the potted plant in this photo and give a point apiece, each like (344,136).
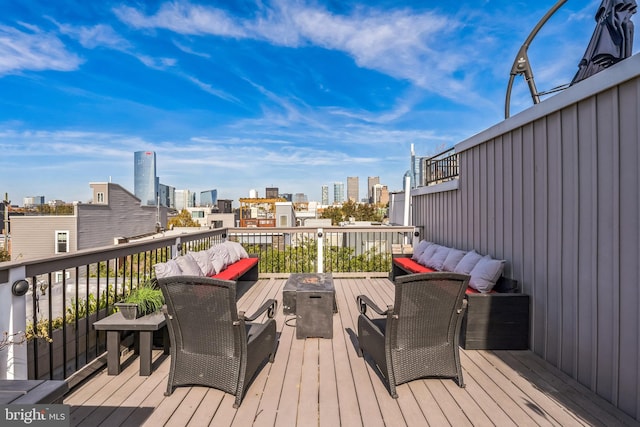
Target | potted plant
(143,300)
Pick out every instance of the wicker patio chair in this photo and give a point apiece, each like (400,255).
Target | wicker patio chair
(212,344)
(418,337)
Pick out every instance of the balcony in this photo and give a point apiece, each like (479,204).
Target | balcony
(311,382)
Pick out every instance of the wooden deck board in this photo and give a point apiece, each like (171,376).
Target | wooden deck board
(323,382)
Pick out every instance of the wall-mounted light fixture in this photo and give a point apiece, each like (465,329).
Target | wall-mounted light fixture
(20,287)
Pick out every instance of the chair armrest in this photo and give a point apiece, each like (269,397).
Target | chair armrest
(269,306)
(364,301)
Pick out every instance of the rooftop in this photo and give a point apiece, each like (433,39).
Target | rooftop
(323,382)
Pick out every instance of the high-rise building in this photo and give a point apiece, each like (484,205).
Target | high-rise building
(271,192)
(31,201)
(380,194)
(300,198)
(338,192)
(353,184)
(371,182)
(185,199)
(145,184)
(209,198)
(287,196)
(325,195)
(167,195)
(416,173)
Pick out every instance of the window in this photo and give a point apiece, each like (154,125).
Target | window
(62,242)
(100,197)
(283,221)
(58,276)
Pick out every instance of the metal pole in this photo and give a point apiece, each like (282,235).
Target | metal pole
(6,202)
(521,64)
(320,235)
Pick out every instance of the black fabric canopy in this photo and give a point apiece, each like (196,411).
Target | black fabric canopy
(612,40)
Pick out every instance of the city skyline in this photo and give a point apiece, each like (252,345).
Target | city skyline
(236,95)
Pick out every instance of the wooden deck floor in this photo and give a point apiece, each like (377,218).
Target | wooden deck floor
(322,382)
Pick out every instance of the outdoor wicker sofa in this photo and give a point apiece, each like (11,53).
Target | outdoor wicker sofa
(497,316)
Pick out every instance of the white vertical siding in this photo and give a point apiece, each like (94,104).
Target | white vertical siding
(556,192)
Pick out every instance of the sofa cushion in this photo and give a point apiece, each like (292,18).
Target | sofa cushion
(436,261)
(428,253)
(188,265)
(238,248)
(204,262)
(467,262)
(453,258)
(486,273)
(419,249)
(222,252)
(412,266)
(217,262)
(237,269)
(166,269)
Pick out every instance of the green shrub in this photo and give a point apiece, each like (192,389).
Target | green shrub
(148,297)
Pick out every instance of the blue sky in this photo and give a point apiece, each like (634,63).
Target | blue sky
(240,95)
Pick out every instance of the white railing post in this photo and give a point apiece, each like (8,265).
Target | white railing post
(13,359)
(320,250)
(416,237)
(177,247)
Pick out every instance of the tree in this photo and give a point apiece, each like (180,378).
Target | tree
(183,219)
(357,211)
(66,209)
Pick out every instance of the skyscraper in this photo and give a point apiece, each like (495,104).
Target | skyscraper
(145,184)
(209,198)
(167,195)
(380,194)
(353,184)
(338,192)
(416,169)
(325,195)
(300,198)
(185,199)
(371,182)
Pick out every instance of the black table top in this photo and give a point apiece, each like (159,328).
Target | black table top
(310,282)
(116,322)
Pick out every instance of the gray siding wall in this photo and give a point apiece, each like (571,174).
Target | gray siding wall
(98,225)
(555,191)
(34,236)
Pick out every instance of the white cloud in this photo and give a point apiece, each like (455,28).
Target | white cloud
(96,36)
(34,50)
(403,44)
(182,18)
(213,91)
